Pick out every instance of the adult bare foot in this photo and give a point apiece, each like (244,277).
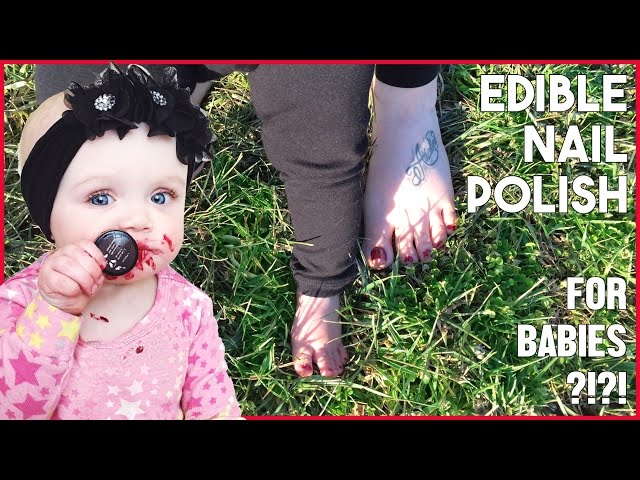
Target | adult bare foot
(315,337)
(409,192)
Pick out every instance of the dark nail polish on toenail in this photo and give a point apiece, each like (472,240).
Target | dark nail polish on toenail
(451,227)
(426,253)
(378,253)
(408,259)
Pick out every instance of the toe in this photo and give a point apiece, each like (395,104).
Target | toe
(338,359)
(325,360)
(450,219)
(302,361)
(424,252)
(378,249)
(404,243)
(419,220)
(438,229)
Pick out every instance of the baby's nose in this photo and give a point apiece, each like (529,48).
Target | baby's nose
(135,218)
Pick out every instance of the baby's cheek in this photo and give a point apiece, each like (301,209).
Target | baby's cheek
(171,243)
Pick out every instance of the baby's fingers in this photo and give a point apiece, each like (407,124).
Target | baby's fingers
(74,263)
(90,257)
(60,285)
(74,272)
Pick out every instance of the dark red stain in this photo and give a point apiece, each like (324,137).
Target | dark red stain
(141,255)
(139,349)
(378,253)
(168,241)
(99,317)
(149,261)
(145,256)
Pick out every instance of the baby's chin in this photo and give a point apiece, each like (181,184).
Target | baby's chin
(147,266)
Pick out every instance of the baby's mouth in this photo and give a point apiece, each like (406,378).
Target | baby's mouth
(148,249)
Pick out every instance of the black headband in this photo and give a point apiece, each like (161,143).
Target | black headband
(116,101)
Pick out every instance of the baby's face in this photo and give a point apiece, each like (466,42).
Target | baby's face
(136,185)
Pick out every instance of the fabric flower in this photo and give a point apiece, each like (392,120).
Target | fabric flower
(174,113)
(142,108)
(193,146)
(103,105)
(118,101)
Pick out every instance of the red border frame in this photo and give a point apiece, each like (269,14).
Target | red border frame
(2,180)
(459,61)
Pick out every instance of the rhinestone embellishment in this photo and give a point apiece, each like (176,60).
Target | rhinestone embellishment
(158,98)
(105,102)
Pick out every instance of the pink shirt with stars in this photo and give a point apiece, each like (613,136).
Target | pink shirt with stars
(170,365)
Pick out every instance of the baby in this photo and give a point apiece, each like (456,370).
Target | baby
(80,337)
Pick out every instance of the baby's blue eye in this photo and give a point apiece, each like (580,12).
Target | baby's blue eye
(159,198)
(102,199)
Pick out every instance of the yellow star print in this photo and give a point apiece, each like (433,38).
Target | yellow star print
(70,329)
(20,331)
(35,340)
(43,321)
(30,309)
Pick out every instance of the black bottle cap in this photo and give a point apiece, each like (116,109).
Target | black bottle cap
(120,252)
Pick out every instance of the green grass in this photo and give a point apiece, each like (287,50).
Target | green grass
(436,339)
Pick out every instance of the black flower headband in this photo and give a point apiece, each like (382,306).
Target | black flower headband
(116,101)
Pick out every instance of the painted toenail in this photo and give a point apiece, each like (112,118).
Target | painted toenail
(426,253)
(378,253)
(451,227)
(408,259)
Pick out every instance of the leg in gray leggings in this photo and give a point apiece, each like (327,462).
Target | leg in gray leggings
(314,124)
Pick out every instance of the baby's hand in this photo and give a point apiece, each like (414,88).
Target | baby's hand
(71,276)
